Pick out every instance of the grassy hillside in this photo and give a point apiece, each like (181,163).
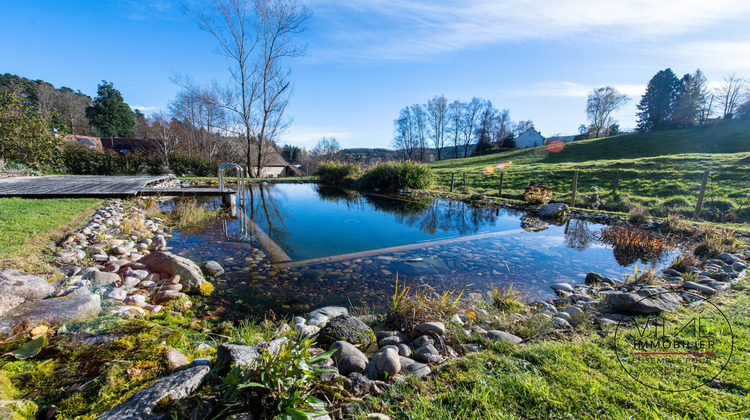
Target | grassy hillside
(660,171)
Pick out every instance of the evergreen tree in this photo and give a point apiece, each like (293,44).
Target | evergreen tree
(658,104)
(109,114)
(692,100)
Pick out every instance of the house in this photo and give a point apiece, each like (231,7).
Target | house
(529,138)
(91,143)
(275,166)
(125,146)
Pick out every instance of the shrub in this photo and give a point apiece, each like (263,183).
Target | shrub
(638,215)
(506,299)
(392,176)
(181,164)
(81,160)
(537,193)
(154,164)
(338,173)
(593,199)
(131,163)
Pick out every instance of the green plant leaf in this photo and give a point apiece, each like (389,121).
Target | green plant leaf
(321,356)
(30,348)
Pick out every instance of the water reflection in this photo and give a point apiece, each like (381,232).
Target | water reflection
(298,216)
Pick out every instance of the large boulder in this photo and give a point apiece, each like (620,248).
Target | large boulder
(170,265)
(552,211)
(49,312)
(641,302)
(246,356)
(167,390)
(29,287)
(346,328)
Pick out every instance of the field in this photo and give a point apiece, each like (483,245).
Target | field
(29,226)
(660,171)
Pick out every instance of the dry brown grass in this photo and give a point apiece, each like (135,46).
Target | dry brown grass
(411,305)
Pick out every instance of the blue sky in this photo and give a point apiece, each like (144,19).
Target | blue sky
(368,59)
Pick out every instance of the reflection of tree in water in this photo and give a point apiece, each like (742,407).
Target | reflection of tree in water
(428,214)
(453,216)
(531,223)
(578,235)
(263,206)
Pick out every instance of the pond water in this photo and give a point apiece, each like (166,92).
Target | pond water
(346,248)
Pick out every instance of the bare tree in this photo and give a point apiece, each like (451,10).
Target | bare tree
(437,116)
(504,127)
(326,148)
(72,108)
(256,37)
(404,138)
(730,94)
(455,117)
(420,125)
(601,103)
(471,115)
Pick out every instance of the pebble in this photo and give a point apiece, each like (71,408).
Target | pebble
(436,328)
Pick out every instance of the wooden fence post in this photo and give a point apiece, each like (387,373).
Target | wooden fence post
(701,194)
(500,193)
(617,183)
(575,187)
(453,180)
(464,179)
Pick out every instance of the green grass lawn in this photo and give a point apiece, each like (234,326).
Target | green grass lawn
(661,171)
(576,377)
(27,227)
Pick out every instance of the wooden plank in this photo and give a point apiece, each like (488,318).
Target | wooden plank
(187,191)
(75,186)
(420,245)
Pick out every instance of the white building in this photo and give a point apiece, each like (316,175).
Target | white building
(529,138)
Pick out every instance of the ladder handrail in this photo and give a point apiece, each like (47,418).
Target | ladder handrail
(240,200)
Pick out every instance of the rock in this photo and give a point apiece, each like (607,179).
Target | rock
(420,370)
(246,356)
(427,354)
(560,322)
(319,321)
(99,278)
(376,416)
(593,279)
(700,287)
(564,315)
(159,243)
(128,311)
(190,274)
(564,287)
(117,294)
(738,266)
(552,211)
(423,340)
(436,328)
(502,335)
(118,250)
(346,328)
(358,384)
(213,268)
(135,300)
(346,350)
(8,302)
(388,363)
(306,330)
(64,257)
(329,311)
(49,312)
(393,340)
(573,311)
(29,287)
(351,364)
(404,350)
(727,258)
(175,359)
(172,388)
(641,302)
(370,370)
(69,270)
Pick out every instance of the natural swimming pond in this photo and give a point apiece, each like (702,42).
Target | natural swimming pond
(346,248)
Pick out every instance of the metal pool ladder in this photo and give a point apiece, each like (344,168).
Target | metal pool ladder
(240,193)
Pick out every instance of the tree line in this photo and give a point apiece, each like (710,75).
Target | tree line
(463,126)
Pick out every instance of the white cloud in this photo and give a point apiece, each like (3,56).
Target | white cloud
(718,55)
(308,136)
(145,108)
(567,89)
(402,29)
